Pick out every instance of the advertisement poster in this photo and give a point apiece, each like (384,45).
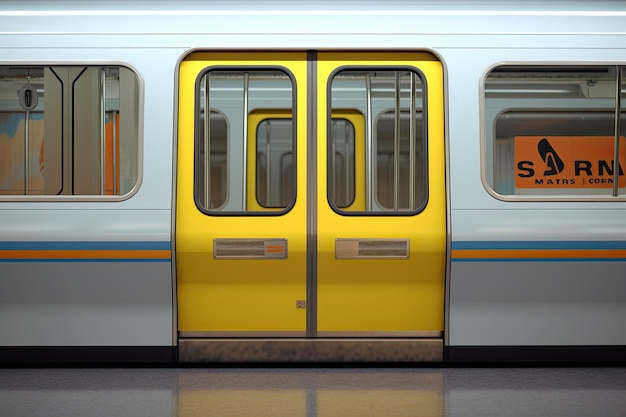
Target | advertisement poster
(567,161)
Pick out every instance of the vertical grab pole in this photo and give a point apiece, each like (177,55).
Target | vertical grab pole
(27,98)
(369,143)
(618,113)
(114,152)
(246,82)
(268,164)
(396,147)
(348,152)
(102,130)
(207,145)
(26,155)
(27,146)
(333,150)
(412,138)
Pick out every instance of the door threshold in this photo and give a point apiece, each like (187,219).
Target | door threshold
(293,350)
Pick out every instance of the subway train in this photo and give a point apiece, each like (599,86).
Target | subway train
(312,181)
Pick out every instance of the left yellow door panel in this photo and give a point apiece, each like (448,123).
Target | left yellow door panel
(248,296)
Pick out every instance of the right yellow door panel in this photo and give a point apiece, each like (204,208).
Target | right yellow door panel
(360,291)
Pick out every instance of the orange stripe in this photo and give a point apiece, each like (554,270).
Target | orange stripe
(85,254)
(535,253)
(275,248)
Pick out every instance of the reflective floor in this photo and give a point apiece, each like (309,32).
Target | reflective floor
(309,392)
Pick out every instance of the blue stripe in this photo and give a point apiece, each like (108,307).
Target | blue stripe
(73,245)
(539,245)
(491,245)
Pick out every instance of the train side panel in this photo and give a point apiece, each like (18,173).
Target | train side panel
(529,280)
(89,278)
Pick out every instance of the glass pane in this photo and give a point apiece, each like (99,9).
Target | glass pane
(216,159)
(84,141)
(621,150)
(343,161)
(21,131)
(552,130)
(386,163)
(13,168)
(392,149)
(274,167)
(250,139)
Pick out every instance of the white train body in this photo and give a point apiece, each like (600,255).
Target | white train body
(528,274)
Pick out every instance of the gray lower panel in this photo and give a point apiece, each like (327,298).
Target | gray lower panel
(537,304)
(311,350)
(86,304)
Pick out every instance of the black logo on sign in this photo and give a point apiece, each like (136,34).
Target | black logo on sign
(550,157)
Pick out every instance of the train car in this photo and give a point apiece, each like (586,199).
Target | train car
(315,181)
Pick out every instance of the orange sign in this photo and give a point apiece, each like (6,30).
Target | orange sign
(567,161)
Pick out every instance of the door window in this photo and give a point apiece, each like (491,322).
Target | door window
(244,154)
(392,151)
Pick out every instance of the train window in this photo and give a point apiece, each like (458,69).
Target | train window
(274,166)
(387,155)
(215,160)
(409,194)
(244,155)
(68,131)
(554,132)
(343,162)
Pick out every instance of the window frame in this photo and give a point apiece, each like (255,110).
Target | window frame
(139,111)
(199,135)
(271,116)
(488,161)
(425,138)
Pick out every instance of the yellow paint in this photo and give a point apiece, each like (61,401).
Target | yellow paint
(299,402)
(384,295)
(242,402)
(254,120)
(237,295)
(379,402)
(353,295)
(358,122)
(310,395)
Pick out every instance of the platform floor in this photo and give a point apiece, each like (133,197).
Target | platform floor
(309,392)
